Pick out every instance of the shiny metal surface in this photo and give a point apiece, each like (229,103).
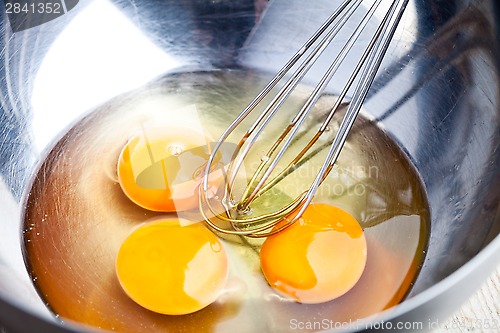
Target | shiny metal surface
(437,95)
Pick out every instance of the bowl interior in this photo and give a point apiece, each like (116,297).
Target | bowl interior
(436,96)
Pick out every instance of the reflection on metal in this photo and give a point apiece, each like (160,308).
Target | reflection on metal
(88,64)
(447,120)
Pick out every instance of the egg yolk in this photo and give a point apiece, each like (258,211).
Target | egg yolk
(160,169)
(318,258)
(172,269)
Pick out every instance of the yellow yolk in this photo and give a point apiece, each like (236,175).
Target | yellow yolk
(160,169)
(172,269)
(318,258)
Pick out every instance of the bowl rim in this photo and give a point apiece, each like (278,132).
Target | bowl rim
(480,263)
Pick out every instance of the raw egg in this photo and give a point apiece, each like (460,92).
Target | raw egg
(172,268)
(160,169)
(318,258)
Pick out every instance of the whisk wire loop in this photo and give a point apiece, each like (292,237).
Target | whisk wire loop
(232,217)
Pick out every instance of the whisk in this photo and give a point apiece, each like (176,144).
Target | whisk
(232,215)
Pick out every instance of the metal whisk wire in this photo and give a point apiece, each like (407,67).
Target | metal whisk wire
(230,220)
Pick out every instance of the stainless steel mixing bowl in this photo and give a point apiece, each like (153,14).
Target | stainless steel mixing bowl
(437,96)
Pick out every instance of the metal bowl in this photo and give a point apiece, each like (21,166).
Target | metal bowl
(437,96)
